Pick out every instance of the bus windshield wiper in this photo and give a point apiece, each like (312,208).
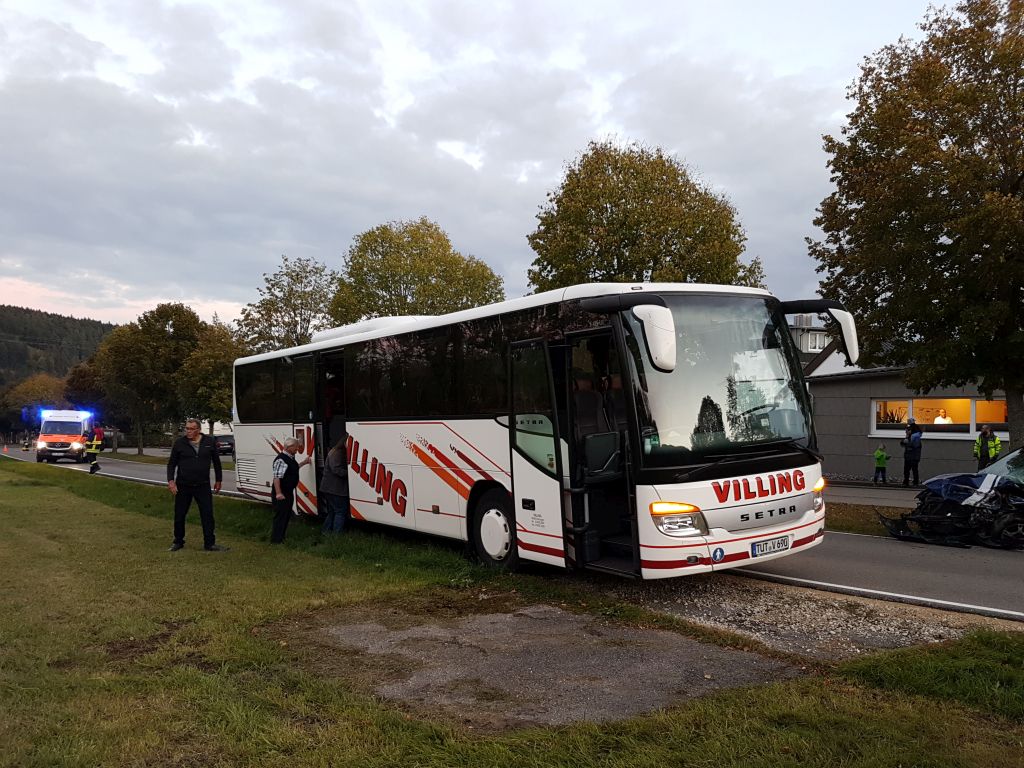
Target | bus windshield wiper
(792,442)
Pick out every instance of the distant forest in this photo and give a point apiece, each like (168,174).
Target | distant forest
(42,342)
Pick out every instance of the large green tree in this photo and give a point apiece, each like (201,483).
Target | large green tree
(924,233)
(84,388)
(293,304)
(410,268)
(138,364)
(204,382)
(633,214)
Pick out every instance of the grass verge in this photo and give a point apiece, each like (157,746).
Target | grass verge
(984,670)
(858,518)
(116,652)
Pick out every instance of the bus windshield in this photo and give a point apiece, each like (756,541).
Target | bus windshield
(736,385)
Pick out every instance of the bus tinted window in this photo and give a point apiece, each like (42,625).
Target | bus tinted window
(479,368)
(401,377)
(303,393)
(425,374)
(264,391)
(368,378)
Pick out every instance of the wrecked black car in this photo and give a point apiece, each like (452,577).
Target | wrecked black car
(984,508)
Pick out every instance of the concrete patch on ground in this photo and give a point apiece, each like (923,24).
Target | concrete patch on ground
(538,665)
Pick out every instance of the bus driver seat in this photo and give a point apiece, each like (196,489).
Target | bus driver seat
(590,414)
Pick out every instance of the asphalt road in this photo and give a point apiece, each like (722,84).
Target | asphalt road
(976,580)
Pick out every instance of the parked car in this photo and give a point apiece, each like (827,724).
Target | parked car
(225,444)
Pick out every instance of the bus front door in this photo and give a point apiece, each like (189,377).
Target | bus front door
(598,433)
(537,456)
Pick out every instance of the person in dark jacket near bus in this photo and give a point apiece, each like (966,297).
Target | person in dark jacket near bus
(334,488)
(911,452)
(188,478)
(286,480)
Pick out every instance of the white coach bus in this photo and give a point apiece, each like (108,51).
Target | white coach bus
(650,430)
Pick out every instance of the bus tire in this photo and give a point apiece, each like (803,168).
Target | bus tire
(494,531)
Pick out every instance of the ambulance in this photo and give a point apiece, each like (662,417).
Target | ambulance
(60,435)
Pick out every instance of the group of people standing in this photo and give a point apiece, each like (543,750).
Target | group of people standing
(986,448)
(188,480)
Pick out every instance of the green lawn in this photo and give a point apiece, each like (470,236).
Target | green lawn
(116,652)
(858,518)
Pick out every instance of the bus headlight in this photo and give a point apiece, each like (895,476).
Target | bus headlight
(40,445)
(819,499)
(76,446)
(675,518)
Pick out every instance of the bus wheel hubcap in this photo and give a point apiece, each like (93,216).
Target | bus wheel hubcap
(495,534)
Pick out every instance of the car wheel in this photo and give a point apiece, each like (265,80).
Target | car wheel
(39,459)
(494,531)
(1008,531)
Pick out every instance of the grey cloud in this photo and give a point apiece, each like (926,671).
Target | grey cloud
(105,179)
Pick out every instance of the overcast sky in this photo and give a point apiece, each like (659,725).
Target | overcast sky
(173,151)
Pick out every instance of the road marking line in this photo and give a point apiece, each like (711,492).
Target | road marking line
(930,602)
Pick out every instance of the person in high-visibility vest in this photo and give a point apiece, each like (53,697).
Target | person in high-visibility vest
(986,447)
(93,443)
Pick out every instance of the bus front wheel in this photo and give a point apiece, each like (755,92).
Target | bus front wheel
(494,531)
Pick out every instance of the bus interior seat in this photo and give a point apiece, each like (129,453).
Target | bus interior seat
(590,415)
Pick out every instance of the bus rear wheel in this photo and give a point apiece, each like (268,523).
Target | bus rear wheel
(494,531)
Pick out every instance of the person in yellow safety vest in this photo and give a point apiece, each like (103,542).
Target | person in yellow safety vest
(93,443)
(986,447)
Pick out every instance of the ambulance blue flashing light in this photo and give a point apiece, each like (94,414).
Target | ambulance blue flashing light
(45,413)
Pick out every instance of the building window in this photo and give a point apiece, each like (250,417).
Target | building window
(816,341)
(993,413)
(943,414)
(891,414)
(938,416)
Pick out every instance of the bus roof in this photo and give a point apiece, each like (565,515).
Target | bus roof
(389,326)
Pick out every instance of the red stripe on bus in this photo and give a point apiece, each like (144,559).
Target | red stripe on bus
(443,514)
(521,527)
(541,550)
(727,559)
(450,464)
(253,491)
(472,464)
(355,512)
(434,423)
(809,539)
(440,471)
(729,541)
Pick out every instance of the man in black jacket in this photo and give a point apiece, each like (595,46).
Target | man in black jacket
(188,478)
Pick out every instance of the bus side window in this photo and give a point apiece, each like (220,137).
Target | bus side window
(531,400)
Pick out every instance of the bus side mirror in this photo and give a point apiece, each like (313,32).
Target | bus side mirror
(847,328)
(659,335)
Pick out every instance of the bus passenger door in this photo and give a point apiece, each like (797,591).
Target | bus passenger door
(330,407)
(598,435)
(537,456)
